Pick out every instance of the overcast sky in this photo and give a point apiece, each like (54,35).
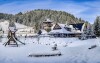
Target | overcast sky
(86,9)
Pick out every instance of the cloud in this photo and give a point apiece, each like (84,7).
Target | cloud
(16,7)
(92,11)
(87,10)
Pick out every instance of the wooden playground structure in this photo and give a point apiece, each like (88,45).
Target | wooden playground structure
(12,39)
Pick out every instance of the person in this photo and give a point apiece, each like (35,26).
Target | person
(3,32)
(39,32)
(25,36)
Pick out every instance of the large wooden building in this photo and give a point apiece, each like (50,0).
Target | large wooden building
(63,30)
(47,24)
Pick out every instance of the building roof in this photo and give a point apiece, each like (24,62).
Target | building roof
(13,29)
(44,31)
(62,30)
(48,20)
(59,31)
(77,26)
(61,25)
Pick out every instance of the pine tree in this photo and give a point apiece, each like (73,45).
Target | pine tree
(97,26)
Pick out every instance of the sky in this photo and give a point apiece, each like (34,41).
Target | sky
(85,9)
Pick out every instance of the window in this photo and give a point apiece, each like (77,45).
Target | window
(68,29)
(56,27)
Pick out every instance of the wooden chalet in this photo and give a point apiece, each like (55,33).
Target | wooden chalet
(63,30)
(47,24)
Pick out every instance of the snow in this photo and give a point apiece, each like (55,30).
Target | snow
(4,25)
(48,20)
(73,50)
(13,29)
(21,30)
(44,31)
(59,31)
(76,50)
(19,26)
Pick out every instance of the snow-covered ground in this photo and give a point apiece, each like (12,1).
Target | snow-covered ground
(73,50)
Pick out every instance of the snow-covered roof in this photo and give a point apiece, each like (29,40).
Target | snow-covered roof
(48,20)
(78,26)
(61,25)
(13,29)
(64,25)
(62,30)
(59,31)
(44,31)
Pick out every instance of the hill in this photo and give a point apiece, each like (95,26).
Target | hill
(35,17)
(39,15)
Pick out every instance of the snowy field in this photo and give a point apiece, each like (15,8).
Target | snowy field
(73,50)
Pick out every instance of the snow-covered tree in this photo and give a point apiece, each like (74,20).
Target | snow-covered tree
(97,26)
(90,30)
(87,32)
(83,35)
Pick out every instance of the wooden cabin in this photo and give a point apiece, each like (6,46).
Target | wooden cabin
(47,24)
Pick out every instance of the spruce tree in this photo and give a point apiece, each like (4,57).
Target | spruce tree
(97,26)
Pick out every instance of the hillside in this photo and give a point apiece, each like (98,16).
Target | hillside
(4,25)
(39,15)
(6,16)
(35,17)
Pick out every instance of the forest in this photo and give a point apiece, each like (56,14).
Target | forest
(35,17)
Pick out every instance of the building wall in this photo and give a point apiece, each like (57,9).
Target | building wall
(47,26)
(25,30)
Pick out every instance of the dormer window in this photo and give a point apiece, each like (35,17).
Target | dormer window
(68,29)
(56,27)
